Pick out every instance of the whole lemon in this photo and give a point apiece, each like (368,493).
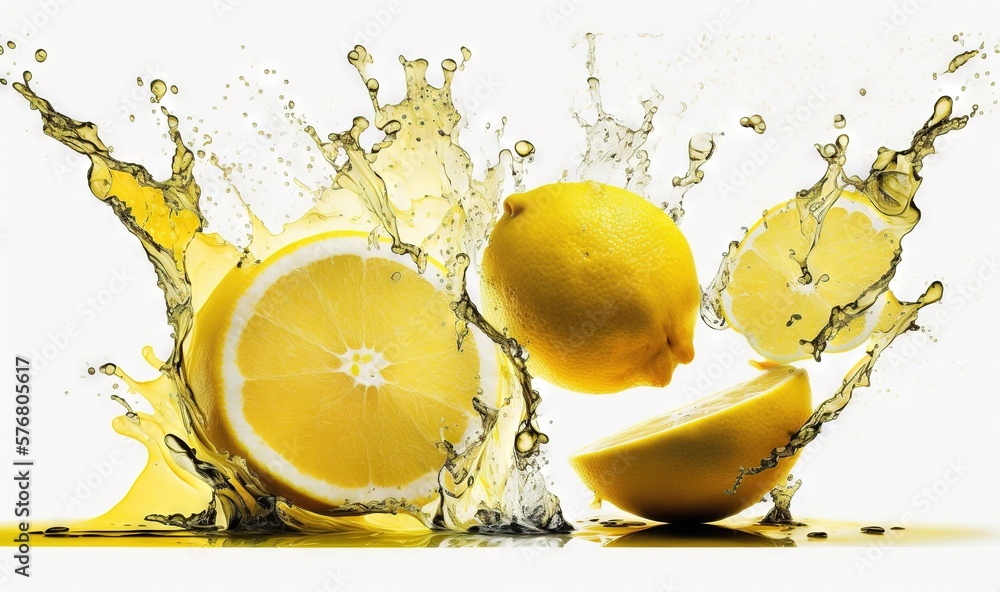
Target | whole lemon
(597,283)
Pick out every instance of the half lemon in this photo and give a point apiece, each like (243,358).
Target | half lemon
(333,369)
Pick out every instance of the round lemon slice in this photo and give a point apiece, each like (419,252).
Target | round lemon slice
(334,370)
(764,299)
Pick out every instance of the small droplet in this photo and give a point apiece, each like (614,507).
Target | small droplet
(159,89)
(525,442)
(754,122)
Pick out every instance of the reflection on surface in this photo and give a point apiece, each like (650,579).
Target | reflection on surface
(698,535)
(361,539)
(603,531)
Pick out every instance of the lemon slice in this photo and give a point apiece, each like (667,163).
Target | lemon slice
(677,467)
(333,369)
(766,303)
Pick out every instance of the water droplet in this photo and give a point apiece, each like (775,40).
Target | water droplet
(159,89)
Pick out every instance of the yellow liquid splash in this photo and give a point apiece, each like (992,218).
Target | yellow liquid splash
(418,188)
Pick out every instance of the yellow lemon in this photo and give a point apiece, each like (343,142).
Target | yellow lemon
(596,282)
(766,302)
(334,370)
(677,468)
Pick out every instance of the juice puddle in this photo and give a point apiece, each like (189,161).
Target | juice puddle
(745,533)
(606,531)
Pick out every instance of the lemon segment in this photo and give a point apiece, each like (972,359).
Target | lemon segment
(333,369)
(677,467)
(764,299)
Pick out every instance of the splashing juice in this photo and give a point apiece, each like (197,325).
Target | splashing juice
(417,186)
(425,218)
(889,189)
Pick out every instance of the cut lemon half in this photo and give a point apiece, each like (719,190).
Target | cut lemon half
(334,370)
(764,299)
(677,467)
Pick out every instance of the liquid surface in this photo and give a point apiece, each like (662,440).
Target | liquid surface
(605,530)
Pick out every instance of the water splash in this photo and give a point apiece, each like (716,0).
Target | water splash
(896,319)
(615,153)
(417,186)
(701,147)
(781,496)
(961,59)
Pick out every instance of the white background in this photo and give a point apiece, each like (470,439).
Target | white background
(933,403)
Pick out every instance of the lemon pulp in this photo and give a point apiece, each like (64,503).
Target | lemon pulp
(333,369)
(677,467)
(765,300)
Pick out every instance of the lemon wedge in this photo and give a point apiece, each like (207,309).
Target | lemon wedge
(677,467)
